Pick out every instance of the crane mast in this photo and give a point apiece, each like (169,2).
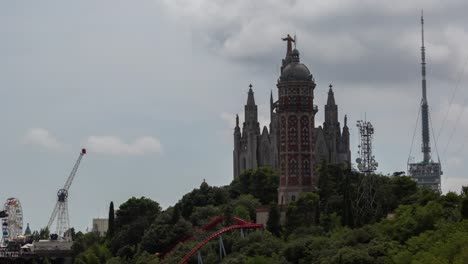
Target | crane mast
(60,212)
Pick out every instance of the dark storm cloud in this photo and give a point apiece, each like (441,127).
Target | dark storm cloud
(336,36)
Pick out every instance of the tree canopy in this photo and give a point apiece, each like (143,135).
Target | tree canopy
(400,224)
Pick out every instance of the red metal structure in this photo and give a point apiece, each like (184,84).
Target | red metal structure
(240,224)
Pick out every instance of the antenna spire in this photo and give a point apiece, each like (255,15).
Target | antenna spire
(422,27)
(426,147)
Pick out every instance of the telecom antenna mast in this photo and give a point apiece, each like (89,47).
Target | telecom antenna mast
(427,172)
(366,161)
(61,207)
(365,204)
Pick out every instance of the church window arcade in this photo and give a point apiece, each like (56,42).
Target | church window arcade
(292,125)
(292,136)
(292,167)
(283,134)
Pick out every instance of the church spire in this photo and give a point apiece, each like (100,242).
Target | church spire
(271,97)
(251,112)
(250,97)
(331,96)
(331,110)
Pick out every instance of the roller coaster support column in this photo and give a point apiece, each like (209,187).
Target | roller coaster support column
(222,250)
(200,260)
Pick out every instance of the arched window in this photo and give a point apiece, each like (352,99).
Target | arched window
(244,163)
(306,167)
(292,135)
(292,167)
(292,126)
(293,198)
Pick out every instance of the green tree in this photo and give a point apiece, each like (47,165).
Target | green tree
(44,233)
(205,195)
(273,224)
(161,236)
(302,212)
(136,208)
(262,184)
(110,230)
(250,203)
(242,212)
(133,218)
(146,258)
(228,215)
(464,208)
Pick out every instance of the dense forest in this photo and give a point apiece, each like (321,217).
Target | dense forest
(350,218)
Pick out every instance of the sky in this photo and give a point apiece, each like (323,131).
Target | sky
(151,88)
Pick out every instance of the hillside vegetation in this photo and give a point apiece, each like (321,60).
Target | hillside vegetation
(385,220)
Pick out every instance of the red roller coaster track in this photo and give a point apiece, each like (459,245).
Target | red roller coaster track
(241,224)
(214,222)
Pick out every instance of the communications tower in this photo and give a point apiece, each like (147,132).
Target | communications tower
(366,161)
(366,205)
(427,172)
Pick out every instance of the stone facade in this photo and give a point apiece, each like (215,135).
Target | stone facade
(292,144)
(253,149)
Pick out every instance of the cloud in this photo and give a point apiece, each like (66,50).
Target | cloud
(115,146)
(41,137)
(334,36)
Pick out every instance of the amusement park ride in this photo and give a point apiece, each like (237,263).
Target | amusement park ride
(12,220)
(61,207)
(16,245)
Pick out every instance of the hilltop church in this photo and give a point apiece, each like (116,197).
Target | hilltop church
(291,144)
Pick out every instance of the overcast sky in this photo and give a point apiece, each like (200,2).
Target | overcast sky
(151,88)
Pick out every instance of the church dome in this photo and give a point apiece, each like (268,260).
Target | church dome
(295,70)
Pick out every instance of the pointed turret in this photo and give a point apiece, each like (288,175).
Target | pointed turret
(251,113)
(237,147)
(265,131)
(331,96)
(345,134)
(345,147)
(27,232)
(271,99)
(331,110)
(237,133)
(250,97)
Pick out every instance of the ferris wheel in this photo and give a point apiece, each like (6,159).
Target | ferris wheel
(12,224)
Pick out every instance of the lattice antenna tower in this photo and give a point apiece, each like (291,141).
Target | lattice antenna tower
(366,161)
(366,205)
